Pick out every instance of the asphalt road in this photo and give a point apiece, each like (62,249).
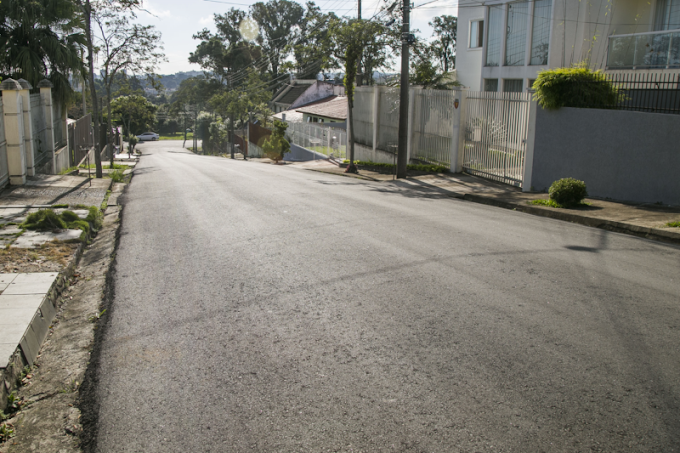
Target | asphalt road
(263,308)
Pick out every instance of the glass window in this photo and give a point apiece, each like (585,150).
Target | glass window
(516,34)
(540,37)
(667,15)
(513,85)
(490,84)
(494,36)
(476,34)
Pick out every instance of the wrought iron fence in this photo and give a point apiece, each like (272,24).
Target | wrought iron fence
(642,92)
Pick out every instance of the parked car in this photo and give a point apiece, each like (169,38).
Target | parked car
(148,136)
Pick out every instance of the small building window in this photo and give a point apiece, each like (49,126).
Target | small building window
(476,34)
(490,84)
(495,36)
(513,85)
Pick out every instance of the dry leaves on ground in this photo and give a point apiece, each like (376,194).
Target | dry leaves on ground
(49,257)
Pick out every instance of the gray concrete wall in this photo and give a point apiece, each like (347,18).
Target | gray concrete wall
(626,156)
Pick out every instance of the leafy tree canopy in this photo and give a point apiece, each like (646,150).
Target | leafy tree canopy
(41,39)
(135,112)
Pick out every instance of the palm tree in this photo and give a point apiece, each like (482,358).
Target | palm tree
(41,39)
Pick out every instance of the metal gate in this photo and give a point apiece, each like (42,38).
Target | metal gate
(496,127)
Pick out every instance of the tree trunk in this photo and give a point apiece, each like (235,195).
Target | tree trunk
(351,168)
(93,91)
(109,132)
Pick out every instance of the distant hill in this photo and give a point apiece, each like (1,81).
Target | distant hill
(171,81)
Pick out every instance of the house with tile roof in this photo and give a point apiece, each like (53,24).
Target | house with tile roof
(297,93)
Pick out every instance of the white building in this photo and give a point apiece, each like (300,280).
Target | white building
(503,44)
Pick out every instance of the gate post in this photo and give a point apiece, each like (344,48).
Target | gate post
(13,117)
(28,126)
(46,98)
(376,116)
(458,133)
(531,140)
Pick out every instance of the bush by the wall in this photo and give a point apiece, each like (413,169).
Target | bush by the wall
(568,191)
(574,87)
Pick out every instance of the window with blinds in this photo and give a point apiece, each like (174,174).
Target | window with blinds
(495,36)
(516,34)
(540,36)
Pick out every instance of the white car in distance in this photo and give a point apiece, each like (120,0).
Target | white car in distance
(146,136)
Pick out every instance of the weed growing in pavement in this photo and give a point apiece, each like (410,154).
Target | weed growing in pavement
(673,224)
(97,316)
(14,403)
(105,203)
(117,176)
(6,431)
(68,170)
(24,376)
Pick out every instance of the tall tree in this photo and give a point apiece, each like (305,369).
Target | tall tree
(444,45)
(279,22)
(88,9)
(352,36)
(229,50)
(136,112)
(310,49)
(42,39)
(126,48)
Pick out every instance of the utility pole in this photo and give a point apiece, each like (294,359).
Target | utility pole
(359,75)
(406,40)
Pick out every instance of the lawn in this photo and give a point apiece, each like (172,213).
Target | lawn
(177,136)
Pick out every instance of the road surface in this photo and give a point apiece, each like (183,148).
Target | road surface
(263,308)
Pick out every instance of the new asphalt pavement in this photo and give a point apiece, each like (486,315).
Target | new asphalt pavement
(264,308)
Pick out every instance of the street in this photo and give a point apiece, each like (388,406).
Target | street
(264,308)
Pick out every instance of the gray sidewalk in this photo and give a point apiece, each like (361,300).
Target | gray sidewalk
(28,301)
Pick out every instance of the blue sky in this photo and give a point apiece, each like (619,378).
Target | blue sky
(178,20)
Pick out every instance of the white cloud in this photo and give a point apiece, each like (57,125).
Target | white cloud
(205,20)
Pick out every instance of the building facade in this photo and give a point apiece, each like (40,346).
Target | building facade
(503,44)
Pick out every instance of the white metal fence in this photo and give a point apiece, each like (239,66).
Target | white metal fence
(376,114)
(4,170)
(326,140)
(496,128)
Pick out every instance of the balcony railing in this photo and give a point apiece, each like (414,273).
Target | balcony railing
(654,50)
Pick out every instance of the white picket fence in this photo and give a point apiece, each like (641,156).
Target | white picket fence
(494,128)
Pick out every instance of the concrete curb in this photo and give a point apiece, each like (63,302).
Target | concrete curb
(609,225)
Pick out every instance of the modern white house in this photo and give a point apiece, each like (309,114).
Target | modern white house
(503,44)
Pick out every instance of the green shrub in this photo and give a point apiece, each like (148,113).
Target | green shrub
(44,220)
(673,224)
(574,87)
(568,191)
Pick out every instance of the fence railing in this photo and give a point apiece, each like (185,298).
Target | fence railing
(642,92)
(80,138)
(653,50)
(496,132)
(4,170)
(325,140)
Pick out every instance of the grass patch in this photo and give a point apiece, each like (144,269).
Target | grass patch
(105,203)
(106,167)
(554,204)
(117,176)
(430,168)
(57,253)
(178,136)
(68,170)
(673,224)
(48,220)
